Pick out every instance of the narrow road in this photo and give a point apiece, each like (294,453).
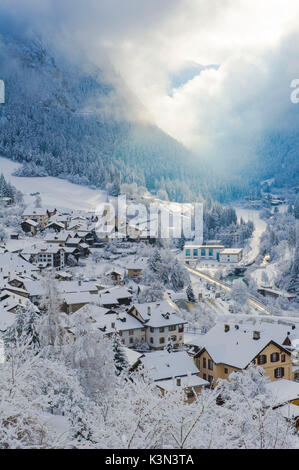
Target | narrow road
(260,226)
(253,302)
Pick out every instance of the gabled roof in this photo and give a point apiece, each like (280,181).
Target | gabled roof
(284,390)
(162,365)
(237,347)
(31,222)
(158,314)
(34,211)
(58,237)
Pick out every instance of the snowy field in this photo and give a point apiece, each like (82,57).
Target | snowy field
(54,192)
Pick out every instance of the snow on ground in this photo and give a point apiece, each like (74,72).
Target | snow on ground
(54,192)
(252,251)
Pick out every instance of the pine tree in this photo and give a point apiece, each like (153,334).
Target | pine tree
(120,359)
(155,261)
(177,276)
(190,294)
(23,333)
(181,243)
(169,345)
(30,330)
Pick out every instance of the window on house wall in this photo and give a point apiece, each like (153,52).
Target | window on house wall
(211,251)
(210,379)
(162,340)
(151,340)
(120,333)
(190,394)
(195,252)
(161,330)
(131,340)
(204,376)
(188,253)
(279,372)
(275,357)
(172,328)
(181,328)
(204,363)
(203,252)
(283,358)
(131,332)
(152,329)
(262,359)
(123,341)
(225,370)
(210,364)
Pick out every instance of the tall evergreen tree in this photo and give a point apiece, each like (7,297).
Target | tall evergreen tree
(120,359)
(190,294)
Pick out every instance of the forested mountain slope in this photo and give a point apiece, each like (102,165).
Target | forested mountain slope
(65,120)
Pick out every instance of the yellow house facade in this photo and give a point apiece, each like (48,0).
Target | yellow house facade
(273,358)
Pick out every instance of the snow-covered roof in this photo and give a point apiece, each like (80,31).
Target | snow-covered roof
(79,298)
(289,411)
(7,319)
(65,275)
(84,245)
(43,247)
(31,222)
(132,356)
(76,286)
(237,347)
(34,288)
(32,211)
(137,264)
(284,390)
(11,262)
(203,246)
(158,314)
(162,365)
(231,251)
(109,322)
(57,237)
(52,222)
(171,385)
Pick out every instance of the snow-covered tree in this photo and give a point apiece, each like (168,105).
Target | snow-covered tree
(120,358)
(190,293)
(38,202)
(169,345)
(249,420)
(239,293)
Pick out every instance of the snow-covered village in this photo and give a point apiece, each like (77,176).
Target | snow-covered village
(143,304)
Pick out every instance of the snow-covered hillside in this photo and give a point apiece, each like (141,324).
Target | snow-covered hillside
(53,191)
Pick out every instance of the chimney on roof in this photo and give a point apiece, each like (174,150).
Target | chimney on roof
(149,310)
(226,328)
(256,335)
(178,381)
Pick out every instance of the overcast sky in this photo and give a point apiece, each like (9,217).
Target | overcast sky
(154,44)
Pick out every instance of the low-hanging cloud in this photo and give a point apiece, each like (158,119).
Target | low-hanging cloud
(220,112)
